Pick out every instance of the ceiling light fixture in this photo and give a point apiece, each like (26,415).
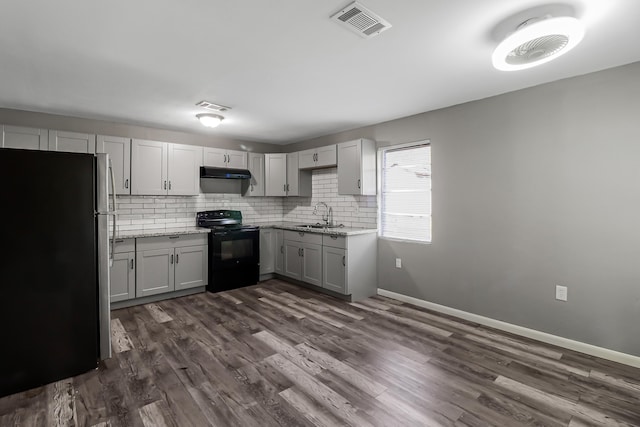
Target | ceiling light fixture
(537,41)
(210,120)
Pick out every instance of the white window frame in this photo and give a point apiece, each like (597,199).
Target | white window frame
(380,157)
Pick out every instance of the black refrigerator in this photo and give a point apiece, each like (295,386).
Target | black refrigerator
(54,266)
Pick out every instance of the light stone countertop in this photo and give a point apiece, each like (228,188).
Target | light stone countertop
(130,234)
(293,226)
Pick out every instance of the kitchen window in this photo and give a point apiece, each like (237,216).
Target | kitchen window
(405,192)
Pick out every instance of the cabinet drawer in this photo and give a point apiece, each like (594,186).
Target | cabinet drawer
(304,237)
(339,242)
(177,241)
(125,245)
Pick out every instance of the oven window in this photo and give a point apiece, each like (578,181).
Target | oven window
(236,249)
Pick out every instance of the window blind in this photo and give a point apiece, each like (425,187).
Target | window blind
(406,193)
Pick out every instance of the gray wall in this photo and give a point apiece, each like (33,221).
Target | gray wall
(530,189)
(100,127)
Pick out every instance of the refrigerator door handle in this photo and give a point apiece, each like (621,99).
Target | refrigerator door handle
(113,213)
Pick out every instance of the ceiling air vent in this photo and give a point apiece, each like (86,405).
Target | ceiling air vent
(212,107)
(361,20)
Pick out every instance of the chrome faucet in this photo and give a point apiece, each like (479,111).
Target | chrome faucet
(328,216)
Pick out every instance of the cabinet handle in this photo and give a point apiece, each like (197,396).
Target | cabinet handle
(174,237)
(281,249)
(252,188)
(171,258)
(334,237)
(132,265)
(119,240)
(358,183)
(301,233)
(284,188)
(287,187)
(169,185)
(301,251)
(343,260)
(177,258)
(126,183)
(165,185)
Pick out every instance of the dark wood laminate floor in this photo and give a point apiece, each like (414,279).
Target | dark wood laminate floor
(277,354)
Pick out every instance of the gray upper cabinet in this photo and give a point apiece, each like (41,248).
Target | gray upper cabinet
(256,183)
(321,157)
(275,170)
(72,142)
(161,168)
(298,182)
(149,167)
(184,170)
(222,158)
(357,167)
(24,138)
(119,151)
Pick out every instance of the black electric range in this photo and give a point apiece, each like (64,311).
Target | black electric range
(234,250)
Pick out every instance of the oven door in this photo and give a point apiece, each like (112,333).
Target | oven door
(234,259)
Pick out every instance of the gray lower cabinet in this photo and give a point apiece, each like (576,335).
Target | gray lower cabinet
(334,265)
(166,264)
(279,251)
(303,256)
(123,271)
(267,250)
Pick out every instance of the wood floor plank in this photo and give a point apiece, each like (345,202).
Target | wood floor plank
(276,354)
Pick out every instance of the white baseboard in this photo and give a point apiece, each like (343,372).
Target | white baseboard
(604,353)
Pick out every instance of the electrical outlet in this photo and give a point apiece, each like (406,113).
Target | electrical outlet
(398,263)
(561,293)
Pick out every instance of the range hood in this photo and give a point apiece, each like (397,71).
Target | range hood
(224,173)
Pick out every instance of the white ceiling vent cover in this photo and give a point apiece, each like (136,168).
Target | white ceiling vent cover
(213,107)
(361,20)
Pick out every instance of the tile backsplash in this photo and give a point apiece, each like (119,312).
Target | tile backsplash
(352,211)
(162,212)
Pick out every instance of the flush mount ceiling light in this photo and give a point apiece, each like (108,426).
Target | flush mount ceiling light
(537,41)
(210,120)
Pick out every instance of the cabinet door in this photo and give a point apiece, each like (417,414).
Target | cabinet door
(293,172)
(123,277)
(349,154)
(216,157)
(334,275)
(307,159)
(191,267)
(71,142)
(236,159)
(24,138)
(312,264)
(293,259)
(256,167)
(155,272)
(183,170)
(279,251)
(267,250)
(149,167)
(326,156)
(275,170)
(119,151)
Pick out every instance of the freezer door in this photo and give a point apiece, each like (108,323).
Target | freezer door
(104,253)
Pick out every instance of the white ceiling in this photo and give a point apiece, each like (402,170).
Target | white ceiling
(287,70)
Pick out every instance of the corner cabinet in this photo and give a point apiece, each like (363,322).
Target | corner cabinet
(256,184)
(357,168)
(170,263)
(119,151)
(24,138)
(221,158)
(162,168)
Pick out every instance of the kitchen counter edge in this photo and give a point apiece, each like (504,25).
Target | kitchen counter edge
(340,231)
(136,234)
